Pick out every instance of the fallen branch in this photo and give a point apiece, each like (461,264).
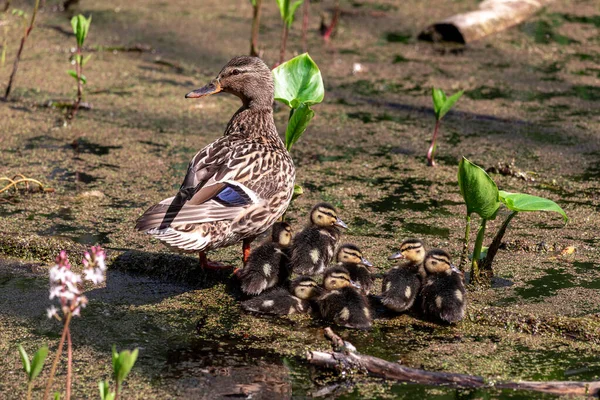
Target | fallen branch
(347,359)
(493,16)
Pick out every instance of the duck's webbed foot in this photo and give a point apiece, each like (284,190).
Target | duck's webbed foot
(205,263)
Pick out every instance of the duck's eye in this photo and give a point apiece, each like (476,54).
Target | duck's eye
(235,72)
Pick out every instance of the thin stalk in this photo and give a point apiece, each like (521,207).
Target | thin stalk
(493,249)
(288,145)
(57,357)
(284,36)
(18,57)
(255,28)
(430,152)
(117,386)
(305,10)
(6,5)
(334,20)
(79,71)
(475,271)
(69,365)
(465,250)
(29,389)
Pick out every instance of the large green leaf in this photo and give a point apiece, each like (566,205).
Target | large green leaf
(526,202)
(298,81)
(38,362)
(478,189)
(297,125)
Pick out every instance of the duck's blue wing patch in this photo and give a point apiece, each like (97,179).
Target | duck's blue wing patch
(232,196)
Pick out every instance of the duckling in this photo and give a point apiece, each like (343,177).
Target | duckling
(281,301)
(401,284)
(268,264)
(342,303)
(350,257)
(443,293)
(313,248)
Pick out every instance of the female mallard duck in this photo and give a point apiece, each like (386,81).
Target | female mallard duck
(401,284)
(280,301)
(342,303)
(313,248)
(237,186)
(350,257)
(443,293)
(268,264)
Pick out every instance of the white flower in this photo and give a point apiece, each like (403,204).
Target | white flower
(57,273)
(52,312)
(95,275)
(55,291)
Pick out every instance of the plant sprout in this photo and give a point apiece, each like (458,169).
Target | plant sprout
(255,27)
(287,11)
(299,85)
(34,367)
(482,197)
(122,363)
(21,47)
(81,26)
(441,105)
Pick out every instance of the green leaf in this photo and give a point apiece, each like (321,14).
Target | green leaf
(449,103)
(85,60)
(478,190)
(81,26)
(25,361)
(126,360)
(115,360)
(291,12)
(283,5)
(298,191)
(73,73)
(56,395)
(84,79)
(526,202)
(253,2)
(439,98)
(105,393)
(298,81)
(297,125)
(38,362)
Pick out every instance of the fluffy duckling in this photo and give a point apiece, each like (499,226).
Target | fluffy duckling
(350,257)
(401,284)
(268,264)
(443,292)
(342,303)
(280,301)
(313,248)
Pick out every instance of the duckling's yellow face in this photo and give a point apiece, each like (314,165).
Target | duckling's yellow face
(325,216)
(351,254)
(412,250)
(285,236)
(337,280)
(437,262)
(307,290)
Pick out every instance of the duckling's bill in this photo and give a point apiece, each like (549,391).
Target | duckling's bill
(212,88)
(396,256)
(340,223)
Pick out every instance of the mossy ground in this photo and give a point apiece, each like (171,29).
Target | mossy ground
(531,92)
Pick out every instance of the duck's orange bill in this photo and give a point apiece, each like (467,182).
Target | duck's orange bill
(211,88)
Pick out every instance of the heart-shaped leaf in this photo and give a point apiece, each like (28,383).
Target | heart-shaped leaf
(297,125)
(526,202)
(298,81)
(478,190)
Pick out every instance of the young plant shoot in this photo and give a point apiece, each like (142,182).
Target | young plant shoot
(287,11)
(299,85)
(441,105)
(122,363)
(81,26)
(482,197)
(28,30)
(34,367)
(255,27)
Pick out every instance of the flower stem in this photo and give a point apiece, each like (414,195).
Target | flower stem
(284,36)
(475,272)
(29,388)
(57,357)
(431,150)
(79,71)
(117,390)
(69,365)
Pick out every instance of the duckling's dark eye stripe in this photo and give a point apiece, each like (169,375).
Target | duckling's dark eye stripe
(353,253)
(405,248)
(444,260)
(329,213)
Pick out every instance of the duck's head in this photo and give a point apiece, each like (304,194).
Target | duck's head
(305,288)
(337,278)
(412,250)
(248,78)
(282,234)
(437,261)
(349,253)
(325,215)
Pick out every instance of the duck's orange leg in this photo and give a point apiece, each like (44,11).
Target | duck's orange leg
(205,263)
